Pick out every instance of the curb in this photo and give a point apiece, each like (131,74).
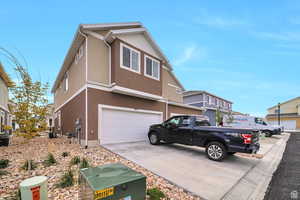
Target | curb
(253,185)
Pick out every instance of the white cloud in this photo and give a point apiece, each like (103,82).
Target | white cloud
(189,53)
(220,22)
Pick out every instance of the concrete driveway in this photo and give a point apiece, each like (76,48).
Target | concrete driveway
(189,168)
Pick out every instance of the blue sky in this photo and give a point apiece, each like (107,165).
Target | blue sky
(244,51)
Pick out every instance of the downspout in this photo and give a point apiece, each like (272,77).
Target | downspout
(167,105)
(86,80)
(109,59)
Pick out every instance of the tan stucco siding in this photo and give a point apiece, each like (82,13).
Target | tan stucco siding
(3,95)
(170,92)
(98,61)
(77,79)
(289,107)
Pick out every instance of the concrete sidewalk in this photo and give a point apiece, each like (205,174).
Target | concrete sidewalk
(254,183)
(189,168)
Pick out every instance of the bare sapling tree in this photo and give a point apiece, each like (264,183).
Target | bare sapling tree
(29,99)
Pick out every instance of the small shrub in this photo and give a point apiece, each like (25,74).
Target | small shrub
(30,163)
(3,163)
(65,154)
(66,180)
(75,160)
(155,194)
(3,172)
(50,160)
(84,163)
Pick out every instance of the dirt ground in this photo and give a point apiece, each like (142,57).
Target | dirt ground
(38,148)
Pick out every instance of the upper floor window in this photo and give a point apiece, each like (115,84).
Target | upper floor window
(130,58)
(209,100)
(66,82)
(79,54)
(152,68)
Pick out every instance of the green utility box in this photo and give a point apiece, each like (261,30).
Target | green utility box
(111,182)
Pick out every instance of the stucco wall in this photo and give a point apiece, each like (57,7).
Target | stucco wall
(3,95)
(193,99)
(77,80)
(98,61)
(289,107)
(169,92)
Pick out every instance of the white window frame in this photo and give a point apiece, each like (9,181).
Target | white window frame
(79,54)
(145,66)
(209,100)
(66,82)
(121,58)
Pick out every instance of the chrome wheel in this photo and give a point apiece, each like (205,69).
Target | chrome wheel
(153,138)
(215,152)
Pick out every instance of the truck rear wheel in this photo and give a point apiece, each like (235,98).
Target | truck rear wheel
(4,142)
(268,134)
(216,151)
(154,138)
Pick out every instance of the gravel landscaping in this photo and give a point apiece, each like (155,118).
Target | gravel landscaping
(38,149)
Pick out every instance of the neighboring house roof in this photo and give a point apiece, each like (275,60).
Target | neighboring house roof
(5,77)
(125,28)
(288,101)
(197,92)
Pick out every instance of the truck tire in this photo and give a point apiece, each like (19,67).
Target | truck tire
(215,151)
(5,142)
(154,138)
(268,134)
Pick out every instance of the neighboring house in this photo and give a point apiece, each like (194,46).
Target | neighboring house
(5,83)
(207,101)
(114,83)
(289,114)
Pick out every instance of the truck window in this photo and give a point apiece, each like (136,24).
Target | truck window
(202,123)
(174,120)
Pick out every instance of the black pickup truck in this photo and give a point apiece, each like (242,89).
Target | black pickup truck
(196,130)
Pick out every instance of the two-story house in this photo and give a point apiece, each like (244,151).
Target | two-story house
(289,114)
(114,83)
(5,83)
(207,101)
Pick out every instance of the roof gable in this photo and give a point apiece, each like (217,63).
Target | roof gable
(286,102)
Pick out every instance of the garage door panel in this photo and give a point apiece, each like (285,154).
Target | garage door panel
(118,126)
(287,124)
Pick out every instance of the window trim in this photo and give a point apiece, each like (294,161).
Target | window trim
(66,82)
(121,58)
(145,66)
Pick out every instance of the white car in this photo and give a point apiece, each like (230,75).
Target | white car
(245,121)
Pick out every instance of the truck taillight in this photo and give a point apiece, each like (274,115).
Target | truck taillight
(247,138)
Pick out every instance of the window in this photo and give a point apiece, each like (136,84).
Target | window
(152,68)
(174,120)
(79,54)
(209,100)
(202,123)
(130,59)
(66,82)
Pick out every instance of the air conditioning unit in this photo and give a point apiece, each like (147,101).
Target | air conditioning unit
(111,182)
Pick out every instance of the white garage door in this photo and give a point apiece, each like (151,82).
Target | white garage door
(118,124)
(287,124)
